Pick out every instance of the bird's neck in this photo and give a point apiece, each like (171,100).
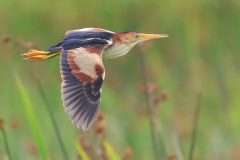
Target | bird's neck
(117,50)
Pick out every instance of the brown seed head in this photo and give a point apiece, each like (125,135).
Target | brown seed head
(15,124)
(152,87)
(84,142)
(100,125)
(99,129)
(140,88)
(32,149)
(6,39)
(164,95)
(172,157)
(128,154)
(100,117)
(156,100)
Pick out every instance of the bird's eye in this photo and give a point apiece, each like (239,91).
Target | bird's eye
(137,35)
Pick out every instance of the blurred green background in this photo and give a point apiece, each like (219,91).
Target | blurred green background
(197,66)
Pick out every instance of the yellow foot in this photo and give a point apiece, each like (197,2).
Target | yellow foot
(35,52)
(36,58)
(35,55)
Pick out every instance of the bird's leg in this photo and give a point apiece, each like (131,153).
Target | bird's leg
(35,55)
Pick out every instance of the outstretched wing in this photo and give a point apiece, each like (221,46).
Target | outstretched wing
(82,77)
(82,74)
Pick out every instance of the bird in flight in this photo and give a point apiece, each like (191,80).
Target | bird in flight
(82,71)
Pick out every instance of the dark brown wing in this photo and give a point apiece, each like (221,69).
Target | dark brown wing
(82,73)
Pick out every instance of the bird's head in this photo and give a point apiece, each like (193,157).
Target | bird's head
(124,41)
(130,38)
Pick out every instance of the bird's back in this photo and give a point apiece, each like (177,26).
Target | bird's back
(84,37)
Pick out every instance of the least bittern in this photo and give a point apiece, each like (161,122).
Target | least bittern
(81,67)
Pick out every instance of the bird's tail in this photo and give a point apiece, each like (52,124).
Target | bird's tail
(36,55)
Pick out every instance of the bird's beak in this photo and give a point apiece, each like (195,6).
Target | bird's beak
(145,37)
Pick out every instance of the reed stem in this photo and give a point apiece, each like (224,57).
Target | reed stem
(194,127)
(56,129)
(6,144)
(153,131)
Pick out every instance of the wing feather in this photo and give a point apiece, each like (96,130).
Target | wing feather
(82,73)
(81,95)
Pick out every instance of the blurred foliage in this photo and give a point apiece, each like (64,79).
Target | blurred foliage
(83,155)
(34,122)
(110,151)
(200,56)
